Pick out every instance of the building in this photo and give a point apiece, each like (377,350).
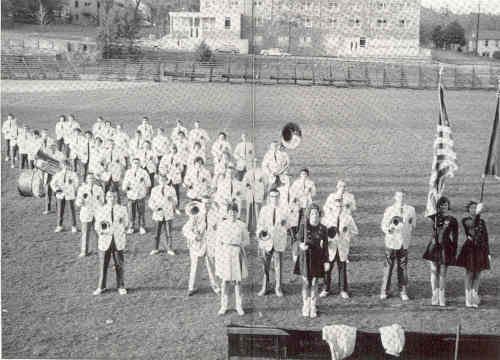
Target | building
(218,23)
(385,28)
(83,11)
(489,42)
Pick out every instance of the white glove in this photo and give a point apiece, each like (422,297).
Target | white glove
(479,208)
(303,246)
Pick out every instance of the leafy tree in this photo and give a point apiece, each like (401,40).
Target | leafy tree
(454,33)
(159,16)
(437,36)
(39,12)
(204,53)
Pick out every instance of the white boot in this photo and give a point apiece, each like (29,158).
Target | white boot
(223,299)
(314,299)
(435,297)
(475,298)
(442,298)
(306,308)
(238,301)
(468,302)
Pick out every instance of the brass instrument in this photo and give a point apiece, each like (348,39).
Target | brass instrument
(395,224)
(46,163)
(332,232)
(104,227)
(265,241)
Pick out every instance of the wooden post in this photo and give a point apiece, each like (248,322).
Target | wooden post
(420,83)
(367,75)
(384,77)
(439,71)
(331,75)
(457,341)
(348,73)
(313,73)
(295,71)
(455,82)
(229,70)
(473,82)
(278,73)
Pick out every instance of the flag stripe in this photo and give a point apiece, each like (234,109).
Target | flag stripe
(493,158)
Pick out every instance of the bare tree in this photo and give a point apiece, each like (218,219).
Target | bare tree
(39,12)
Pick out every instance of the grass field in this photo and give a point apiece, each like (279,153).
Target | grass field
(377,140)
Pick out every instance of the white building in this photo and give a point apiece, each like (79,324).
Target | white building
(489,42)
(218,23)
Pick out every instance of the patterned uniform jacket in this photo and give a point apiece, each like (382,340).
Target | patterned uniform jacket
(116,223)
(90,197)
(274,220)
(163,202)
(66,182)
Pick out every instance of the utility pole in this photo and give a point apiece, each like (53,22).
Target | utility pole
(477,27)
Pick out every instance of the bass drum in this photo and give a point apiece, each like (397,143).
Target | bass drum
(30,183)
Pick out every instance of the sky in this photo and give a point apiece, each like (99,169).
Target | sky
(465,6)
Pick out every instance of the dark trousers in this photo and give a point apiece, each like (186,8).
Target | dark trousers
(23,161)
(167,224)
(278,260)
(7,147)
(118,259)
(136,207)
(401,258)
(48,193)
(60,145)
(178,194)
(61,204)
(152,178)
(15,150)
(76,165)
(342,269)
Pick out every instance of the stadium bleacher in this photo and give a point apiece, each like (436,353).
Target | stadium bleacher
(31,67)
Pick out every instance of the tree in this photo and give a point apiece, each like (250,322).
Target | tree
(39,12)
(290,17)
(454,33)
(437,37)
(159,16)
(204,53)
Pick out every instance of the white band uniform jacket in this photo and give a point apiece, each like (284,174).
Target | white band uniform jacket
(275,163)
(33,146)
(23,140)
(60,130)
(278,230)
(171,166)
(194,230)
(230,262)
(69,128)
(220,147)
(227,188)
(115,163)
(348,202)
(197,182)
(160,145)
(136,183)
(255,183)
(148,160)
(117,229)
(95,159)
(195,154)
(67,181)
(198,135)
(122,141)
(290,203)
(401,236)
(108,133)
(304,190)
(97,129)
(135,147)
(243,153)
(176,130)
(95,199)
(146,131)
(163,197)
(9,129)
(347,229)
(214,217)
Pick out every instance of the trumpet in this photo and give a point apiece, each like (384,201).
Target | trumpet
(85,196)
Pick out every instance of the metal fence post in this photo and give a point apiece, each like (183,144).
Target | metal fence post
(295,71)
(455,82)
(473,82)
(331,75)
(278,73)
(420,80)
(313,73)
(384,76)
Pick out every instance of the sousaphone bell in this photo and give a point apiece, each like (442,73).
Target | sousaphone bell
(265,241)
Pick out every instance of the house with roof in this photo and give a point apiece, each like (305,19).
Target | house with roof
(488,42)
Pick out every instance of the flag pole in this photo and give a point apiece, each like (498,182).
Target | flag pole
(483,177)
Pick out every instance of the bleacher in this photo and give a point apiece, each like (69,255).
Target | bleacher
(37,67)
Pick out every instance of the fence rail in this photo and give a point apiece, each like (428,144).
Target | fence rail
(265,70)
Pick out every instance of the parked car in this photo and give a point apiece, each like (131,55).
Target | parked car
(274,52)
(227,49)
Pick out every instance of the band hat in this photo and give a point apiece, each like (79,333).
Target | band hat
(393,339)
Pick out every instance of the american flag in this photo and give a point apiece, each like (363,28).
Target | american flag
(444,161)
(493,158)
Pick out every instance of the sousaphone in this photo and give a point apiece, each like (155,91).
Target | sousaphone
(291,135)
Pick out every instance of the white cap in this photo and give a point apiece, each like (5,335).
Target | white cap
(341,339)
(393,339)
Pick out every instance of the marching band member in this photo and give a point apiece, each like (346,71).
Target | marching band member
(220,147)
(65,184)
(275,163)
(243,157)
(23,142)
(89,198)
(199,135)
(136,184)
(68,131)
(215,215)
(197,151)
(272,233)
(474,255)
(122,141)
(397,224)
(171,165)
(96,164)
(9,131)
(108,132)
(136,144)
(34,145)
(194,230)
(442,249)
(348,201)
(51,150)
(149,161)
(46,142)
(160,144)
(230,262)
(177,130)
(341,228)
(163,202)
(114,164)
(75,143)
(146,129)
(84,153)
(225,186)
(60,131)
(98,127)
(222,163)
(304,190)
(255,184)
(110,225)
(197,181)
(312,260)
(183,149)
